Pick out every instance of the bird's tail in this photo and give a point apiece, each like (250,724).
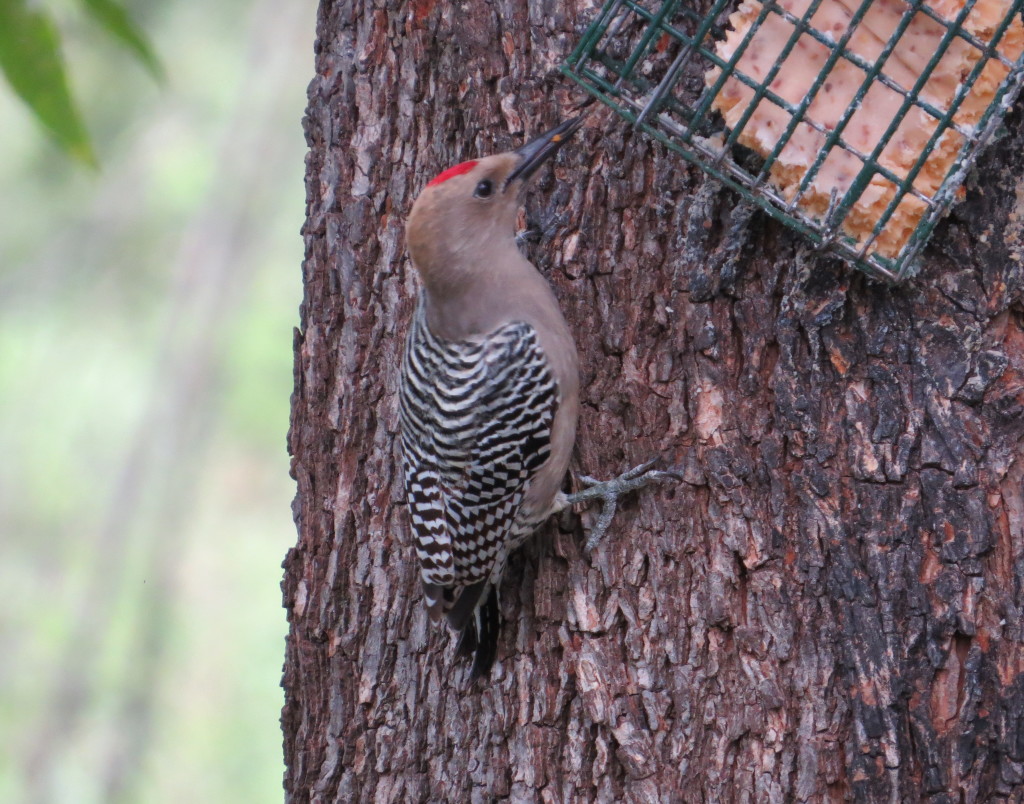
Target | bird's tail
(475,615)
(473,612)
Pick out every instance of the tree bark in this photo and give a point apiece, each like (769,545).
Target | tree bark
(828,608)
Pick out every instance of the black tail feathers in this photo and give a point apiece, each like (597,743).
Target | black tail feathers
(479,637)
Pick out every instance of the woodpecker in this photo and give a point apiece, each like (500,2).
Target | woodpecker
(489,393)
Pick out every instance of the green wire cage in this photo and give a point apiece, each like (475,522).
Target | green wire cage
(824,113)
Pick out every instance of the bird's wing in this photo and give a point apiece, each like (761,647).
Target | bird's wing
(476,426)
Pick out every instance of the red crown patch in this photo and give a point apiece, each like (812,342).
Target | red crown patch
(452,172)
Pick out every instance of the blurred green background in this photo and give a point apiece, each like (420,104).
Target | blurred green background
(146,315)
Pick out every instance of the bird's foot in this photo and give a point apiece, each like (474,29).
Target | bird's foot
(609,491)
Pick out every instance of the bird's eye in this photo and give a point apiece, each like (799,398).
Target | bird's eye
(484,189)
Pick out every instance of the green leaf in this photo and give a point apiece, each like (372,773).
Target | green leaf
(30,59)
(119,25)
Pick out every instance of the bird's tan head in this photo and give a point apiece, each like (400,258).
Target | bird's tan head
(469,210)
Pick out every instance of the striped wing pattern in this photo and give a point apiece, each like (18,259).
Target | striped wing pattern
(476,426)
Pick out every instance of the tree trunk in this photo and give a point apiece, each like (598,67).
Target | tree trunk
(828,608)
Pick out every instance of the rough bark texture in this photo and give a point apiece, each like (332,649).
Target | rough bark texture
(827,609)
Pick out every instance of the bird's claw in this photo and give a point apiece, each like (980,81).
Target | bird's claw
(609,491)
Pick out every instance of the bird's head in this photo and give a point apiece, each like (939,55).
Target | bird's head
(465,211)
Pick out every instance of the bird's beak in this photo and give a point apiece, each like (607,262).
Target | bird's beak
(535,153)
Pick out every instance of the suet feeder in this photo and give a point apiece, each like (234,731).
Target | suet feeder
(852,121)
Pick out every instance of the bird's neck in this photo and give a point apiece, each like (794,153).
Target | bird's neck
(468,302)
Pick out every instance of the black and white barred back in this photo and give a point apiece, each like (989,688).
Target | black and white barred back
(476,427)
